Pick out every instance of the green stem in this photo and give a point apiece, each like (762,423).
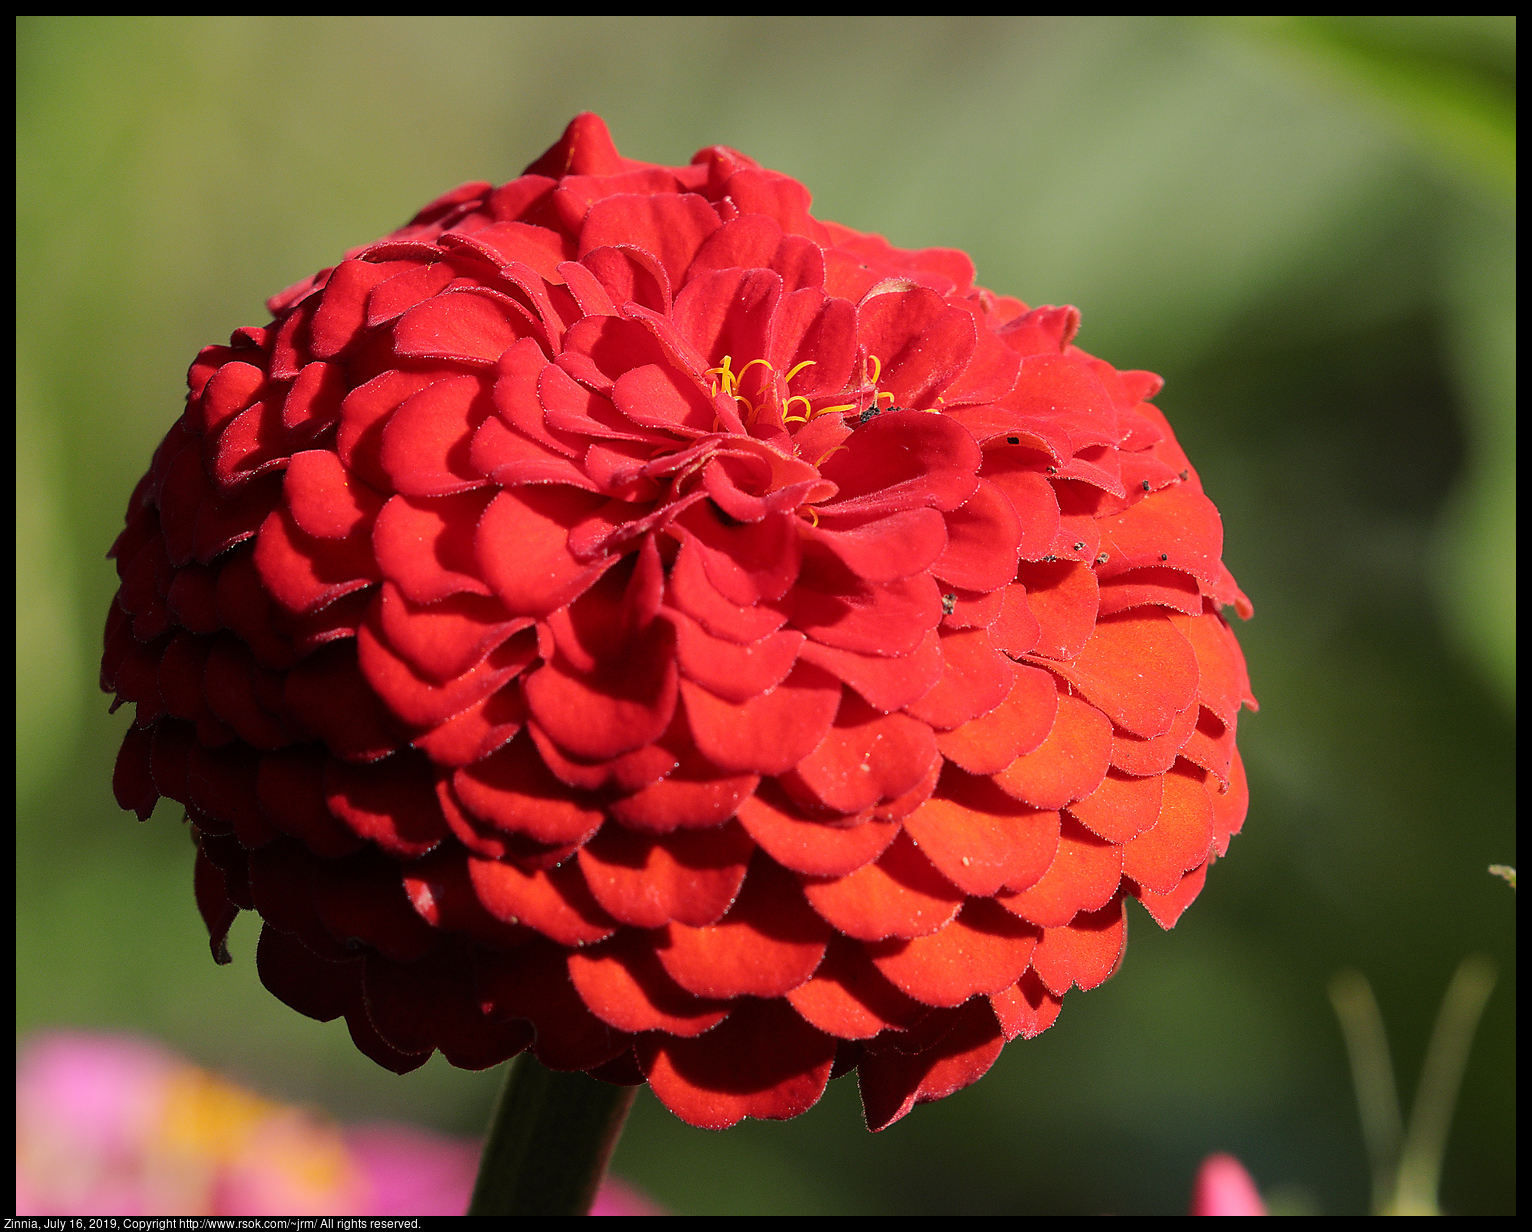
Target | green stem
(549,1143)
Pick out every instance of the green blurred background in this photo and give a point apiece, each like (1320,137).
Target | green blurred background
(1306,226)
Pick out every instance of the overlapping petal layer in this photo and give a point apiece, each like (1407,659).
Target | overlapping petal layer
(621,615)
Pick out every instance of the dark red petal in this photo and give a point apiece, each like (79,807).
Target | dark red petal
(1069,764)
(391,802)
(1180,838)
(899,895)
(1026,1009)
(692,876)
(1121,807)
(849,998)
(533,983)
(1083,876)
(217,911)
(1137,669)
(301,979)
(768,734)
(1019,724)
(522,548)
(806,842)
(329,697)
(979,838)
(361,900)
(983,950)
(1084,952)
(304,573)
(624,985)
(1064,599)
(864,759)
(512,791)
(976,678)
(768,943)
(892,1082)
(556,902)
(786,1064)
(132,779)
(621,706)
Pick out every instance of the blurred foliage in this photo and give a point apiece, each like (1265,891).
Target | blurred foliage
(1305,224)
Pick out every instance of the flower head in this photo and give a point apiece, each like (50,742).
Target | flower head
(623,615)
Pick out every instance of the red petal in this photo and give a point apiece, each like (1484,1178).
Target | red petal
(331,701)
(885,684)
(476,732)
(467,328)
(904,460)
(1137,669)
(850,999)
(301,979)
(786,1064)
(326,501)
(391,802)
(1211,745)
(1026,1009)
(898,895)
(1179,840)
(690,590)
(728,670)
(983,950)
(888,619)
(417,700)
(290,788)
(533,983)
(620,706)
(922,342)
(1064,599)
(303,573)
(1160,587)
(979,838)
(218,913)
(892,1082)
(983,538)
(442,640)
(1166,909)
(669,226)
(522,548)
(1019,724)
(1083,876)
(1223,684)
(624,985)
(768,943)
(1121,807)
(426,546)
(976,678)
(808,844)
(1031,496)
(513,791)
(889,548)
(426,443)
(1175,522)
(1084,952)
(1069,764)
(1229,804)
(1136,755)
(556,902)
(1015,630)
(864,759)
(768,734)
(692,876)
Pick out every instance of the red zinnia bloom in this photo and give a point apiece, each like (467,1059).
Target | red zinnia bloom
(623,615)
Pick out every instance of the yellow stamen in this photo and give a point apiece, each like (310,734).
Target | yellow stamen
(740,377)
(827,455)
(808,363)
(808,408)
(812,512)
(877,370)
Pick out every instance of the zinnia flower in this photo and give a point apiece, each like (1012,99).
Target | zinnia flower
(622,615)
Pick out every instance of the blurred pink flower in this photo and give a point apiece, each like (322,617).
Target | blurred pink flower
(115,1125)
(1223,1187)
